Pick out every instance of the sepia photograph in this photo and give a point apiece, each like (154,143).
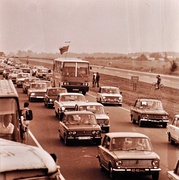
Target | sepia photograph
(89,89)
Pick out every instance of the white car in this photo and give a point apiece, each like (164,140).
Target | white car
(109,95)
(13,74)
(174,175)
(37,91)
(21,78)
(173,130)
(67,102)
(99,112)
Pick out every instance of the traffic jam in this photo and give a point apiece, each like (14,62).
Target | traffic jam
(80,120)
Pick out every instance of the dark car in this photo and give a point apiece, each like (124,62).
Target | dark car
(79,126)
(149,110)
(124,153)
(52,94)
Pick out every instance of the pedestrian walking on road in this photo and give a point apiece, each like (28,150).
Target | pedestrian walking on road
(94,80)
(97,79)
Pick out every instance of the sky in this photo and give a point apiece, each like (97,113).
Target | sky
(89,26)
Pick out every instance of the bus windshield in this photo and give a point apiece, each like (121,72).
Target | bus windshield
(71,69)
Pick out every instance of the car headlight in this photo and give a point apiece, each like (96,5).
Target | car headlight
(51,100)
(155,163)
(32,94)
(106,122)
(119,163)
(95,132)
(104,97)
(144,116)
(71,133)
(62,108)
(165,117)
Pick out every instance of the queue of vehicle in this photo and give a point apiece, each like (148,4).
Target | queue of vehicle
(63,110)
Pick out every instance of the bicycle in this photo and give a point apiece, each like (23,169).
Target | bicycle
(155,86)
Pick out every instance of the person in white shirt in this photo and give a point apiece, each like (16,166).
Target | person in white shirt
(7,127)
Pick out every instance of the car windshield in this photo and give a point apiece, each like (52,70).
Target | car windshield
(81,119)
(93,108)
(110,90)
(53,92)
(152,105)
(72,98)
(131,143)
(39,86)
(22,75)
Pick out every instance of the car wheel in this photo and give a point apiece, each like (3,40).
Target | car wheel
(155,176)
(133,120)
(140,123)
(66,141)
(164,125)
(111,173)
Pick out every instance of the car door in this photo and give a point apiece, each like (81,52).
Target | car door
(174,128)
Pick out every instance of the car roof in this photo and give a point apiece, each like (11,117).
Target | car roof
(125,134)
(78,112)
(69,93)
(89,104)
(109,87)
(24,157)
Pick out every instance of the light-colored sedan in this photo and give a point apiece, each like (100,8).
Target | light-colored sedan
(67,102)
(109,95)
(173,130)
(174,174)
(79,126)
(124,153)
(98,110)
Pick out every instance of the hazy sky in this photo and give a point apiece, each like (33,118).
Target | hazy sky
(114,26)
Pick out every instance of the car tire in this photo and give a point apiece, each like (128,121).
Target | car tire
(66,141)
(164,125)
(111,173)
(140,123)
(133,120)
(155,176)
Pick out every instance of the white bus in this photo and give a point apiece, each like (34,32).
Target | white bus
(72,74)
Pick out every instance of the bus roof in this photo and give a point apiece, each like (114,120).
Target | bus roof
(7,89)
(18,156)
(70,60)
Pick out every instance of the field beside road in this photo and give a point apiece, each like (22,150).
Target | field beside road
(169,96)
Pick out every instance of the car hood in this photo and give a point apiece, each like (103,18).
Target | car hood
(83,127)
(111,95)
(134,154)
(101,116)
(156,112)
(37,90)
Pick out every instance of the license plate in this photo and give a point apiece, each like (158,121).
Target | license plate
(84,138)
(39,97)
(75,89)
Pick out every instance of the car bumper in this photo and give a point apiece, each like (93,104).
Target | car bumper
(146,171)
(76,88)
(84,138)
(155,121)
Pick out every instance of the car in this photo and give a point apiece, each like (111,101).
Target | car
(41,72)
(34,69)
(25,69)
(26,84)
(79,126)
(7,70)
(13,74)
(109,95)
(148,111)
(22,161)
(124,153)
(67,102)
(173,130)
(21,78)
(174,174)
(52,94)
(37,91)
(98,110)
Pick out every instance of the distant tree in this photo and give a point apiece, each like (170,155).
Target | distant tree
(173,66)
(155,55)
(142,57)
